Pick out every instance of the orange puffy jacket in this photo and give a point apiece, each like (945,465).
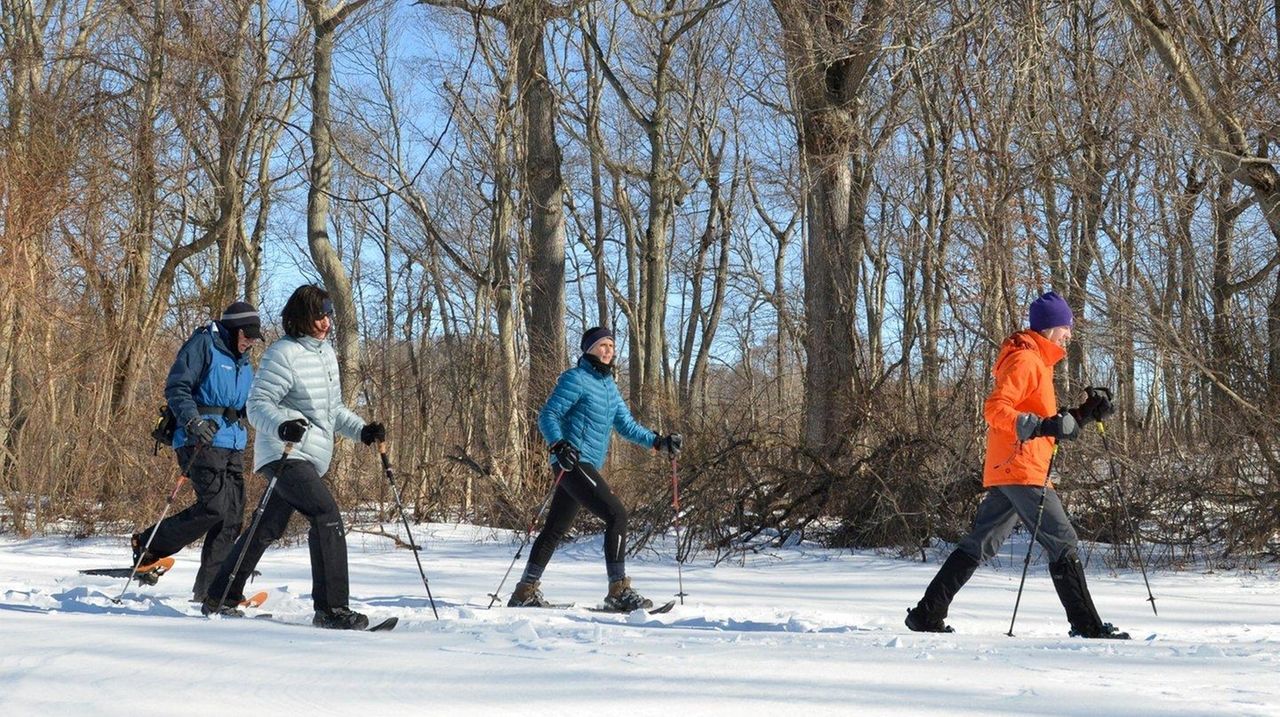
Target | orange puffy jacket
(1024,384)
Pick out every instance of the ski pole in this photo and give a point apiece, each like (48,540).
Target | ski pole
(253,526)
(675,501)
(395,493)
(1035,533)
(493,596)
(1133,528)
(173,494)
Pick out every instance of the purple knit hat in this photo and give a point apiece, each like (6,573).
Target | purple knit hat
(1050,310)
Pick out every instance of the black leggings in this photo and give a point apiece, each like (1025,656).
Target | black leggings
(584,487)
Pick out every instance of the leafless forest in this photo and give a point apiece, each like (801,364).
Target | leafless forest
(812,222)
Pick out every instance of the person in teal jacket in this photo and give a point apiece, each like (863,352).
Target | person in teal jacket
(577,421)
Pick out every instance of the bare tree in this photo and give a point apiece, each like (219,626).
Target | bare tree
(326,18)
(831,55)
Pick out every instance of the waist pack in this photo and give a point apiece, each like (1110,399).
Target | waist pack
(165,427)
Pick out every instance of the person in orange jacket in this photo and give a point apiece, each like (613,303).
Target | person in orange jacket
(1024,426)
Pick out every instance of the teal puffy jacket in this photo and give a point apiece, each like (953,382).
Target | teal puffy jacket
(584,409)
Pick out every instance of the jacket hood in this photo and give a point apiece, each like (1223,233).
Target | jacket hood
(1028,340)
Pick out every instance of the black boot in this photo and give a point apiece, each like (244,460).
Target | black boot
(144,559)
(1073,591)
(928,614)
(340,618)
(211,606)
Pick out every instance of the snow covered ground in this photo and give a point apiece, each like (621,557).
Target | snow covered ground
(794,631)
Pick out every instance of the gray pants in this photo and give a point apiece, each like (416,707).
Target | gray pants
(1002,506)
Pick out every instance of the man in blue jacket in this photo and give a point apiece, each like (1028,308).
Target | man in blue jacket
(206,390)
(577,421)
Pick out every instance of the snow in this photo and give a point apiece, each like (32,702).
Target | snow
(797,630)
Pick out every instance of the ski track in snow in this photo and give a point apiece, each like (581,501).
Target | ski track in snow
(796,630)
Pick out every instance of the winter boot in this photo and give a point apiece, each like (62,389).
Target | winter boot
(527,595)
(211,607)
(929,613)
(148,559)
(340,618)
(1073,591)
(623,599)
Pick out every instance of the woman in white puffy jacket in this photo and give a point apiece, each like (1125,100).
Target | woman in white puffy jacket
(296,399)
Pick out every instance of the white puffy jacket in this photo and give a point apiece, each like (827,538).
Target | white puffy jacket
(298,378)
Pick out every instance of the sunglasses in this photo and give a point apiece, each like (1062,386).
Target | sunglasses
(327,308)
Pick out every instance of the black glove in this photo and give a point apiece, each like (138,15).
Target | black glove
(202,429)
(671,443)
(566,455)
(373,432)
(1062,426)
(1096,407)
(291,431)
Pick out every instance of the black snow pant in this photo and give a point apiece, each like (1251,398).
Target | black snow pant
(584,487)
(217,476)
(298,487)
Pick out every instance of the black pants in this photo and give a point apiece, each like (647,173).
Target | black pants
(217,476)
(298,487)
(584,487)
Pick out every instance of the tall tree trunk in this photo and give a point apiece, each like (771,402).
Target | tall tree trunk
(829,59)
(328,263)
(544,198)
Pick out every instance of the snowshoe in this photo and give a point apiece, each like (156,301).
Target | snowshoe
(340,618)
(527,595)
(1106,632)
(917,621)
(145,575)
(622,598)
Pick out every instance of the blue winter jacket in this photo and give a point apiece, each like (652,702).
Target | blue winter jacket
(584,409)
(207,373)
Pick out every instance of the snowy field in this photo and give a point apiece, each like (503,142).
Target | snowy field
(794,631)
